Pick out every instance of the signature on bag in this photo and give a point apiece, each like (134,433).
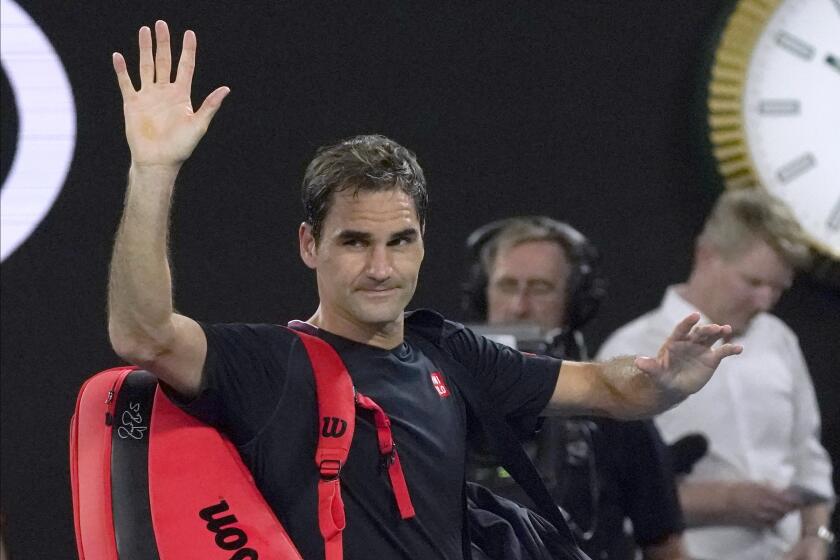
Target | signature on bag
(132,423)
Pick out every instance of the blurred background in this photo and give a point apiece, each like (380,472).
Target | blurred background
(591,112)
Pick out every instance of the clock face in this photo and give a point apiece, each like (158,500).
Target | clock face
(791,114)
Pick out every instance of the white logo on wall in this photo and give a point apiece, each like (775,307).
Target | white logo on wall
(46,126)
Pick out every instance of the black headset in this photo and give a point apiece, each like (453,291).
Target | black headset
(586,288)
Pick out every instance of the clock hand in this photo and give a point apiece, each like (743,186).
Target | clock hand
(833,61)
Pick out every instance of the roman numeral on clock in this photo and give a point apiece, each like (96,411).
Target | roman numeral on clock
(795,168)
(834,218)
(794,45)
(779,107)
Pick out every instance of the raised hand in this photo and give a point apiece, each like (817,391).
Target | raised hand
(161,127)
(687,359)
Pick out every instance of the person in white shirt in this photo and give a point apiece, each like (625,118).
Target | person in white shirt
(763,491)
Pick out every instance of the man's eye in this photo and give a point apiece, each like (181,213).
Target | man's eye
(507,287)
(353,243)
(542,289)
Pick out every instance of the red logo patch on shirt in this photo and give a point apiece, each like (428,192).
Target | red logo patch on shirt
(440,386)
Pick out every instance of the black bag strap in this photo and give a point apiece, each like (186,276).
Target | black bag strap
(429,326)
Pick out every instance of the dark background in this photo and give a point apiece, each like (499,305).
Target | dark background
(590,111)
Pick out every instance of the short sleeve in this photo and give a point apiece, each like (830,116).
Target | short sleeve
(519,385)
(243,378)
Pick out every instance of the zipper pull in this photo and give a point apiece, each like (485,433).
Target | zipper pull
(109,418)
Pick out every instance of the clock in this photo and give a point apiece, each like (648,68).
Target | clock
(774,111)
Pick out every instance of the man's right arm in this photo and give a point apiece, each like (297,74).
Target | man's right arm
(162,130)
(745,504)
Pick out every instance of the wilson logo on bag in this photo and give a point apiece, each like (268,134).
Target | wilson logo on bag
(227,536)
(333,427)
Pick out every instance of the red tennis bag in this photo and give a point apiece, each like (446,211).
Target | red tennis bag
(151,482)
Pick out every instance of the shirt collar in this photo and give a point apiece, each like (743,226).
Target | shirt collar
(676,307)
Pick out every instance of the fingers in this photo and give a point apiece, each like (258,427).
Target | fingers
(158,68)
(186,64)
(163,53)
(123,79)
(772,512)
(790,501)
(147,65)
(683,328)
(757,503)
(648,365)
(211,104)
(726,350)
(774,504)
(708,334)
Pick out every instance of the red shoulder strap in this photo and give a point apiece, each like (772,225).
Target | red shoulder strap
(337,400)
(337,421)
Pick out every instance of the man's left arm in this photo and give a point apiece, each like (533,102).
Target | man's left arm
(812,544)
(813,467)
(639,387)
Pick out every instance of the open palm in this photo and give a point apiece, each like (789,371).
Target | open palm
(160,124)
(687,359)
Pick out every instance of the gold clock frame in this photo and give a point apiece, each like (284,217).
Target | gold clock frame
(727,132)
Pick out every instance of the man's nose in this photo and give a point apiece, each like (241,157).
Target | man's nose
(520,304)
(379,265)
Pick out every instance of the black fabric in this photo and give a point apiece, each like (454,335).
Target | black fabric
(132,511)
(551,539)
(632,479)
(640,471)
(258,388)
(501,529)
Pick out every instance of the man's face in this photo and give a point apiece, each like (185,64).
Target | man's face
(368,257)
(744,285)
(527,283)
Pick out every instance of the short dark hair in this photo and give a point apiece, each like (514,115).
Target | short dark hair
(362,163)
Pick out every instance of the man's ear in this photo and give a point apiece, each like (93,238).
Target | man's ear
(308,245)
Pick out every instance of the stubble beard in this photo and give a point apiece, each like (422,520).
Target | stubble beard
(384,312)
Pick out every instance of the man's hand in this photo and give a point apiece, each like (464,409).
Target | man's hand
(727,503)
(160,125)
(687,360)
(756,505)
(629,388)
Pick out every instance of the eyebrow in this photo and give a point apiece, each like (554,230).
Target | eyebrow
(351,234)
(407,233)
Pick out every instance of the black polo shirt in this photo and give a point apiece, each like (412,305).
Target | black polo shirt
(258,388)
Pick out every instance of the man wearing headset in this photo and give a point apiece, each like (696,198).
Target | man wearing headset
(538,270)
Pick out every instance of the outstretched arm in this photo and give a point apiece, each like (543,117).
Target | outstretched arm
(162,131)
(638,387)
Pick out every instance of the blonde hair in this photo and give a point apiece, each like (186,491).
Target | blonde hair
(741,217)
